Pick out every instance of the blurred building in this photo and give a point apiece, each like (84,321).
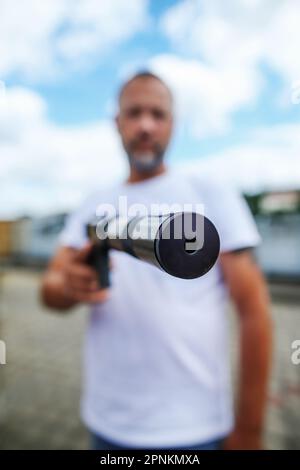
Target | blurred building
(30,241)
(277,216)
(6,229)
(279,254)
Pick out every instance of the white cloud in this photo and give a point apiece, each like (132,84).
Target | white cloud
(44,167)
(206,97)
(224,45)
(39,39)
(242,33)
(268,159)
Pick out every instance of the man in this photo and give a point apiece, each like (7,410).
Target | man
(156,371)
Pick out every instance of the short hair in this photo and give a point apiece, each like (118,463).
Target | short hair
(143,74)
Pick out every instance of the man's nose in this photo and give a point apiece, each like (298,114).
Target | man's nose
(147,124)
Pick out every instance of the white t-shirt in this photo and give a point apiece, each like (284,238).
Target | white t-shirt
(156,362)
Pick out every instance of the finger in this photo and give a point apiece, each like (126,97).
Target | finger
(83,253)
(95,297)
(100,295)
(81,271)
(83,285)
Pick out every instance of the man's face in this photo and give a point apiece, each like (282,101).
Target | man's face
(145,122)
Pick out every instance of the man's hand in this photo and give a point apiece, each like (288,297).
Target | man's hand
(243,440)
(70,280)
(81,283)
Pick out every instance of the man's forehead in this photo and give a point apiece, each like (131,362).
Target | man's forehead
(145,89)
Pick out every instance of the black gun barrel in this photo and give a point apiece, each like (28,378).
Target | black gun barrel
(183,244)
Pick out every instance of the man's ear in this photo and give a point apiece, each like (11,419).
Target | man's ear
(117,121)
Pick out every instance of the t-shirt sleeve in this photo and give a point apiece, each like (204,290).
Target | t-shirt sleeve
(230,213)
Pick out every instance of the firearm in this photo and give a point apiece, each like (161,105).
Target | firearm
(183,244)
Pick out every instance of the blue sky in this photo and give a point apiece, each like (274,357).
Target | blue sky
(233,72)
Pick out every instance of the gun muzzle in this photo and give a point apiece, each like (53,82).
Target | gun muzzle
(183,244)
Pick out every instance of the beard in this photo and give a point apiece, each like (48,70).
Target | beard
(147,161)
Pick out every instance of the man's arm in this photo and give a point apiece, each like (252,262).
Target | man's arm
(249,293)
(69,281)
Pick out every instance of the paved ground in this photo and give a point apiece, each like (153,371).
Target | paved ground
(282,429)
(41,379)
(40,384)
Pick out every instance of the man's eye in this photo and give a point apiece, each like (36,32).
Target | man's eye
(133,113)
(158,114)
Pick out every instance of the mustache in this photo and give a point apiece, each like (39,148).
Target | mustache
(145,139)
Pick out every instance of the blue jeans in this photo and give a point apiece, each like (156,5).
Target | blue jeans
(100,443)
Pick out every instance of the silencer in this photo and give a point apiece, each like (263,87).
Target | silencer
(183,244)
